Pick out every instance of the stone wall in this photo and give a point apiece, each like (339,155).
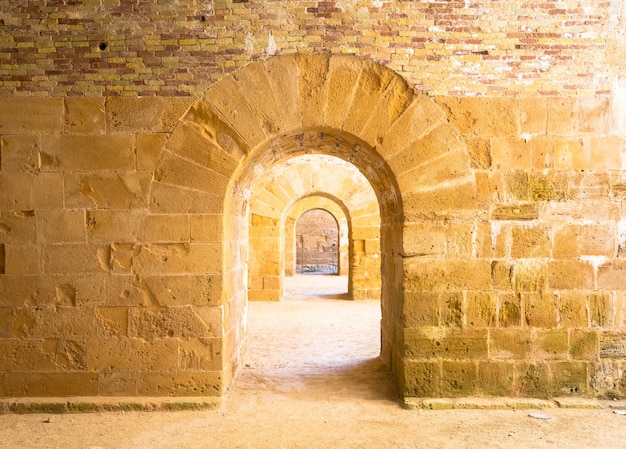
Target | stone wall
(317,243)
(492,136)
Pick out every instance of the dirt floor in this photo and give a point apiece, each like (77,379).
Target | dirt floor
(312,381)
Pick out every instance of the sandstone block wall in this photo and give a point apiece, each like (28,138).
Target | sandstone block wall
(491,134)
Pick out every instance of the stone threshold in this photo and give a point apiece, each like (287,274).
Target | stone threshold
(107,404)
(510,403)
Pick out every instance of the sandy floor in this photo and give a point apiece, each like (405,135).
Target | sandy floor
(313,381)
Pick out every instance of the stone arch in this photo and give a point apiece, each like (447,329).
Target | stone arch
(291,105)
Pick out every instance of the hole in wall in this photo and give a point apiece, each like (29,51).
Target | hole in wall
(102,46)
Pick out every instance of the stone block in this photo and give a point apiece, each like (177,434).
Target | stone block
(176,170)
(442,342)
(18,227)
(84,152)
(112,321)
(421,275)
(573,309)
(16,192)
(516,212)
(495,378)
(421,309)
(612,345)
(548,186)
(570,154)
(584,344)
(479,150)
(532,379)
(542,153)
(540,309)
(517,185)
(611,275)
(27,115)
(570,378)
(421,379)
(481,116)
(600,306)
(530,242)
(107,191)
(22,259)
(48,191)
(54,322)
(594,113)
(200,354)
(458,196)
(511,153)
(452,309)
(75,258)
(132,354)
(210,383)
(61,226)
(166,228)
(117,383)
(598,240)
(566,242)
(148,150)
(619,310)
(52,384)
(20,153)
(533,116)
(605,153)
(459,240)
(24,355)
(6,322)
(423,239)
(571,275)
(312,87)
(459,378)
(551,344)
(84,116)
(175,199)
(206,289)
(194,258)
(562,116)
(182,321)
(531,276)
(509,310)
(509,344)
(481,309)
(587,185)
(206,228)
(145,114)
(19,290)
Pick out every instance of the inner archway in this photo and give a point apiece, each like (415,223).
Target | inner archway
(317,243)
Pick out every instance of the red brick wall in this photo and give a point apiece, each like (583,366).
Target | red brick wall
(445,47)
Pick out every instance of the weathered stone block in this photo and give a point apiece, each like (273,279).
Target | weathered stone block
(562,116)
(598,240)
(28,115)
(516,212)
(459,240)
(178,258)
(446,275)
(573,309)
(312,87)
(442,342)
(132,354)
(16,192)
(459,378)
(481,309)
(22,259)
(6,322)
(509,310)
(18,227)
(584,344)
(481,116)
(166,228)
(117,383)
(540,309)
(112,321)
(147,114)
(460,196)
(61,226)
(570,378)
(452,309)
(551,344)
(509,344)
(600,309)
(571,274)
(531,276)
(76,152)
(162,322)
(510,153)
(48,191)
(530,242)
(176,170)
(206,228)
(209,383)
(566,242)
(200,354)
(533,116)
(52,384)
(570,154)
(54,322)
(148,150)
(611,275)
(612,345)
(84,115)
(106,190)
(421,379)
(19,290)
(71,258)
(424,239)
(496,378)
(605,152)
(532,379)
(176,199)
(421,309)
(20,153)
(24,355)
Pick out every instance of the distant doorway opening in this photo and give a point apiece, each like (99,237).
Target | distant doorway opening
(317,243)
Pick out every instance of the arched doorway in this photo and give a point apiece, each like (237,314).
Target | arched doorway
(317,243)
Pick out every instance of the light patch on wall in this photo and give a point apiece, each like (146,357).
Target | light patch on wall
(377,4)
(272,48)
(619,108)
(248,44)
(596,261)
(621,238)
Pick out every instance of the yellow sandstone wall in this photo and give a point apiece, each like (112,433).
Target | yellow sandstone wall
(492,136)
